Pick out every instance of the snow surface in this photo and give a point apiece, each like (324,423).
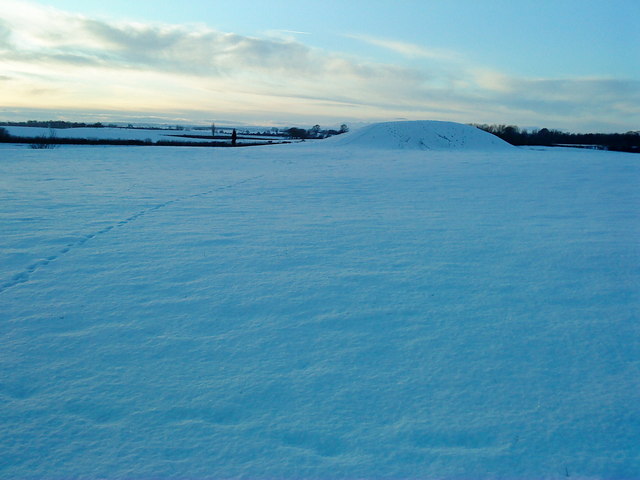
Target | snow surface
(422,135)
(108,133)
(154,135)
(300,311)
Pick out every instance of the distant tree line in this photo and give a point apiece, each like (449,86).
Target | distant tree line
(315,132)
(61,124)
(622,142)
(54,124)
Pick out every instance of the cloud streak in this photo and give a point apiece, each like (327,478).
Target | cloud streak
(407,49)
(66,60)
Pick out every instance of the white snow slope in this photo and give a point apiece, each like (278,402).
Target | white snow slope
(299,311)
(422,135)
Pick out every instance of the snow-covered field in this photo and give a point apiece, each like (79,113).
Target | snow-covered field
(143,134)
(319,311)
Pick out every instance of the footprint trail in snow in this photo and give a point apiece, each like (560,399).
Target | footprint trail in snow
(25,275)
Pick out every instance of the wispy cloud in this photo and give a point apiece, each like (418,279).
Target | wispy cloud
(406,49)
(68,41)
(5,33)
(285,34)
(186,49)
(64,61)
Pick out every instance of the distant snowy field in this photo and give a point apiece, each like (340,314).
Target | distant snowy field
(315,311)
(107,133)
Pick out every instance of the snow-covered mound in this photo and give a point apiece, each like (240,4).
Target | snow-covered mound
(423,135)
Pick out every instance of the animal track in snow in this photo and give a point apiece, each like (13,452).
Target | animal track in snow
(24,276)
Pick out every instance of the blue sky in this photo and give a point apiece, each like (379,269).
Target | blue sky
(565,64)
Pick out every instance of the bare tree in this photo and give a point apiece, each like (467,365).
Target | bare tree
(44,141)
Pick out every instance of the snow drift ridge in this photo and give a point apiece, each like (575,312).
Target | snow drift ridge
(422,135)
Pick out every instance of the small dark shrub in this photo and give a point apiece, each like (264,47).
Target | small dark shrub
(44,141)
